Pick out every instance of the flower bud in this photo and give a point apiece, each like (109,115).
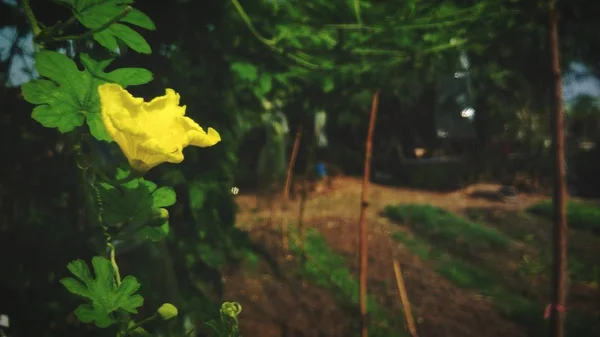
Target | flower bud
(159,217)
(167,311)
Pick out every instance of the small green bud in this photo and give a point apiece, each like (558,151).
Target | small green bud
(161,213)
(167,311)
(231,309)
(159,217)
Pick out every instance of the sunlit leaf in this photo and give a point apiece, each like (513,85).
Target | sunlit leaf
(245,71)
(135,204)
(123,76)
(69,96)
(163,197)
(93,14)
(102,292)
(328,84)
(264,85)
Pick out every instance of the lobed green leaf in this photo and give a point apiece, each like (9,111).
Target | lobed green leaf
(104,295)
(68,96)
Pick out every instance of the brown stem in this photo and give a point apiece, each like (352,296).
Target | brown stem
(362,224)
(286,189)
(559,277)
(290,169)
(305,187)
(301,213)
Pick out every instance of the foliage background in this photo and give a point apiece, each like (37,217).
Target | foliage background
(223,70)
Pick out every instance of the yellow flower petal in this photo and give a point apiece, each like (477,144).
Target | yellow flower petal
(150,133)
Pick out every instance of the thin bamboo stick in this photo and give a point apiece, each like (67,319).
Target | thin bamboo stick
(362,224)
(404,300)
(286,189)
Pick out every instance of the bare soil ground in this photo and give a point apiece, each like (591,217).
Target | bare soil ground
(292,307)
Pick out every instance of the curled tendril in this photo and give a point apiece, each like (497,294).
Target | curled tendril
(82,164)
(99,202)
(231,309)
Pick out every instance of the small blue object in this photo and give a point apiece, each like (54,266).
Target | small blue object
(321,171)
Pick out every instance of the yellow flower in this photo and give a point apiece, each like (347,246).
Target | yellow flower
(150,133)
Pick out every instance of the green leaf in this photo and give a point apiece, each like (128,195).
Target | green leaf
(107,38)
(70,96)
(154,234)
(97,128)
(138,18)
(264,84)
(131,204)
(123,76)
(137,207)
(95,13)
(245,71)
(130,76)
(164,196)
(173,177)
(197,194)
(281,78)
(328,84)
(102,292)
(49,117)
(65,98)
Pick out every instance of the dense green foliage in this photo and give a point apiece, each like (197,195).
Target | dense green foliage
(225,58)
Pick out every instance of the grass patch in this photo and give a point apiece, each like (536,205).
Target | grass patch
(448,231)
(520,226)
(437,231)
(468,276)
(458,271)
(536,232)
(327,269)
(579,215)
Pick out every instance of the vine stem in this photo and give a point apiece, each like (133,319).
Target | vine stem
(95,30)
(139,324)
(357,11)
(89,182)
(89,140)
(271,43)
(248,22)
(109,244)
(35,27)
(113,261)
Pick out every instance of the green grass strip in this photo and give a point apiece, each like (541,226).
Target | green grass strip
(327,269)
(579,215)
(463,274)
(455,234)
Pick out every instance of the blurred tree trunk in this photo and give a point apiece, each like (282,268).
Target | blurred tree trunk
(559,277)
(482,136)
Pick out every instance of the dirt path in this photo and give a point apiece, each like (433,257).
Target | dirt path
(441,308)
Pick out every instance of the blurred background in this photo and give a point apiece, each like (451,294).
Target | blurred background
(461,167)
